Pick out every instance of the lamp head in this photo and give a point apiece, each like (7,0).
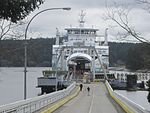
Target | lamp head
(67,8)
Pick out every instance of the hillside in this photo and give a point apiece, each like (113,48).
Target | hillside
(39,52)
(133,56)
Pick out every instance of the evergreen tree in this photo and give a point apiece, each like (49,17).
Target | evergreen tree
(134,59)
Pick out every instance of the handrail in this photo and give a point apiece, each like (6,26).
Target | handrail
(36,103)
(131,103)
(126,104)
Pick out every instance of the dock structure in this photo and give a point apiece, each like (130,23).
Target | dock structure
(101,99)
(97,101)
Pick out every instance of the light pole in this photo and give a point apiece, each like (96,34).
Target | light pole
(25,46)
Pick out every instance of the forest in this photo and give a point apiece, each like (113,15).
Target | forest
(133,56)
(39,52)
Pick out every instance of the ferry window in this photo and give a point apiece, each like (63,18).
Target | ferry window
(82,32)
(69,31)
(77,32)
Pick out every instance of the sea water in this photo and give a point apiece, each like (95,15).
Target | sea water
(12,83)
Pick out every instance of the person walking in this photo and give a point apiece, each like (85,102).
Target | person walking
(81,86)
(88,89)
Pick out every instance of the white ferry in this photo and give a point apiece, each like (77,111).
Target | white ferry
(81,51)
(78,50)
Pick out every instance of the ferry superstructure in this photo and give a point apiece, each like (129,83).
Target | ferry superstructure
(81,51)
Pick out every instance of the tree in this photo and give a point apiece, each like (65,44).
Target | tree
(134,59)
(9,30)
(15,10)
(119,15)
(39,52)
(138,57)
(11,14)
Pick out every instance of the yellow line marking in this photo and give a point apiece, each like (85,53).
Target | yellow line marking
(122,104)
(61,103)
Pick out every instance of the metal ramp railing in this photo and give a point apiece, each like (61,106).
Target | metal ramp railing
(34,104)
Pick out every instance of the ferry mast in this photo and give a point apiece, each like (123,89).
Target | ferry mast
(81,20)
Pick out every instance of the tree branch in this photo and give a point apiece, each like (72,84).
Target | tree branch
(9,29)
(120,17)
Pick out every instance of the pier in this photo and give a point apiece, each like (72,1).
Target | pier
(71,100)
(96,102)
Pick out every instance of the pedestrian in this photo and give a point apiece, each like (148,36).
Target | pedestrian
(88,89)
(81,86)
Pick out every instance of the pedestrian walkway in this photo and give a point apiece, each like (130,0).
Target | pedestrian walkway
(98,101)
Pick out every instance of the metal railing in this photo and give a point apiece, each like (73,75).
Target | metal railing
(136,107)
(131,107)
(36,103)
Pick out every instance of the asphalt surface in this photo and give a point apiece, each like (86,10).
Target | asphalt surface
(97,101)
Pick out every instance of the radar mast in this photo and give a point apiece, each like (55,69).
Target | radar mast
(81,20)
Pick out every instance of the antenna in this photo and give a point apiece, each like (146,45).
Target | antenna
(57,36)
(106,37)
(82,21)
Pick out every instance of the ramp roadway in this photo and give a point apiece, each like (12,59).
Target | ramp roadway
(98,101)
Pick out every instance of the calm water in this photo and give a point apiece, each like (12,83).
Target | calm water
(12,84)
(12,88)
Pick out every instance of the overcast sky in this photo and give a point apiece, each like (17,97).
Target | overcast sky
(46,23)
